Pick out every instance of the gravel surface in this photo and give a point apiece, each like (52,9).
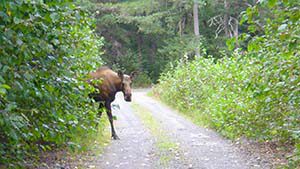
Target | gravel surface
(135,149)
(198,148)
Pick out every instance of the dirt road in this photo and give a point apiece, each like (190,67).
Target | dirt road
(155,136)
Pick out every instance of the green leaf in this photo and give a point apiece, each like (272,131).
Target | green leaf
(282,27)
(19,42)
(28,76)
(2,91)
(78,16)
(54,16)
(231,43)
(4,16)
(272,3)
(5,86)
(11,106)
(17,20)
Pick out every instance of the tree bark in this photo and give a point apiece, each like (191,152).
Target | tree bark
(226,18)
(181,25)
(153,52)
(139,46)
(196,27)
(236,32)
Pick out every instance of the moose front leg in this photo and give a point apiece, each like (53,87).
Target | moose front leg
(110,117)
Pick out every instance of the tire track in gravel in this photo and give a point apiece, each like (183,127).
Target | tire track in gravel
(135,149)
(169,152)
(204,148)
(197,148)
(141,146)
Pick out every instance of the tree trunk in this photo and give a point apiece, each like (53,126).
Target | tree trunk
(196,27)
(181,25)
(151,56)
(153,52)
(139,46)
(236,32)
(226,18)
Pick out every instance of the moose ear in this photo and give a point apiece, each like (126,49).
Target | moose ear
(120,74)
(133,74)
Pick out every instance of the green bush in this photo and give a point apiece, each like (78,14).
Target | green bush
(257,94)
(237,96)
(142,80)
(46,48)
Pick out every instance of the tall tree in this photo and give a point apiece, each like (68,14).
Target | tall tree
(196,26)
(226,18)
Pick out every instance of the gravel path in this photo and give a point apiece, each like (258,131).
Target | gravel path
(135,149)
(198,147)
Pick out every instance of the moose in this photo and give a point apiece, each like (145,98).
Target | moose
(109,84)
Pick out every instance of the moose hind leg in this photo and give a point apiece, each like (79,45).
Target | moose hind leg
(100,111)
(110,117)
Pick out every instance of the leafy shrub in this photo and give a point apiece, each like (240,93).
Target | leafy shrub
(46,48)
(255,95)
(174,48)
(233,96)
(142,80)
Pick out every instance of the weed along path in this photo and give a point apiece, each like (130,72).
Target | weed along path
(155,136)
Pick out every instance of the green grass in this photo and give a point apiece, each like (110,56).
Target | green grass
(150,93)
(93,141)
(92,144)
(164,145)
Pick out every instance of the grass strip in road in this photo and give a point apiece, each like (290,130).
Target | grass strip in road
(165,146)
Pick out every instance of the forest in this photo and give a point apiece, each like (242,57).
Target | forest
(229,65)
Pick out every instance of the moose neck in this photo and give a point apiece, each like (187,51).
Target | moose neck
(117,87)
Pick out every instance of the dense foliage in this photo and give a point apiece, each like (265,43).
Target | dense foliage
(251,88)
(46,49)
(149,35)
(253,93)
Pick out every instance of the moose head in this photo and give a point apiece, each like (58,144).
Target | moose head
(126,81)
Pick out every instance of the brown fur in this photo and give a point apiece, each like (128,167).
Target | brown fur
(110,83)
